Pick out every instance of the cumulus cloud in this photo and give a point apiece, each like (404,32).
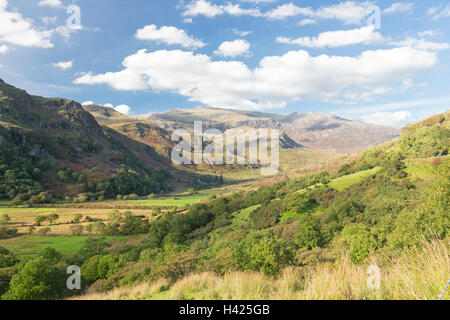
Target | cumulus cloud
(422,44)
(388,118)
(123,109)
(276,81)
(400,7)
(234,48)
(168,35)
(51,3)
(17,30)
(333,39)
(63,65)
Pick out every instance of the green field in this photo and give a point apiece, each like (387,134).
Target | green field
(27,210)
(30,246)
(175,201)
(344,182)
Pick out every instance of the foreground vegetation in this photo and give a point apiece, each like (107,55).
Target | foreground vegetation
(418,274)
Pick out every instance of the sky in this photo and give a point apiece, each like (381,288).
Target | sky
(382,62)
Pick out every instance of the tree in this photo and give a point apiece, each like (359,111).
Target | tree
(5,230)
(7,259)
(77,218)
(52,218)
(4,219)
(31,230)
(263,253)
(51,255)
(38,280)
(77,230)
(44,231)
(309,234)
(39,219)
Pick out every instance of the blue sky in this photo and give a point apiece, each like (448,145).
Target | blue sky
(270,55)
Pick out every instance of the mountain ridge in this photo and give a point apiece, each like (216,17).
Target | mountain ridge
(311,129)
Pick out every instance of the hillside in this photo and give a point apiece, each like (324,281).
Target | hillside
(313,130)
(53,147)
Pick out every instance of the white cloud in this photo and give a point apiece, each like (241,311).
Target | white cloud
(333,39)
(187,20)
(351,12)
(63,65)
(400,7)
(306,22)
(202,7)
(123,109)
(277,81)
(234,48)
(388,118)
(444,13)
(288,10)
(242,33)
(4,49)
(422,44)
(51,3)
(427,33)
(168,35)
(49,20)
(17,30)
(259,1)
(88,103)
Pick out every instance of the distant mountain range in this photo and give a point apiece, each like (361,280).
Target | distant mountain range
(313,130)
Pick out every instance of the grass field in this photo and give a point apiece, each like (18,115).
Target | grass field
(174,201)
(344,182)
(30,246)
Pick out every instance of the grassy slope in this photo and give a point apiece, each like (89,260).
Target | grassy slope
(344,182)
(418,274)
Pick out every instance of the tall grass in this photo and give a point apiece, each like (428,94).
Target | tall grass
(419,274)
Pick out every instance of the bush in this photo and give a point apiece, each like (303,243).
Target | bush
(266,216)
(77,230)
(44,231)
(7,259)
(309,234)
(38,280)
(263,253)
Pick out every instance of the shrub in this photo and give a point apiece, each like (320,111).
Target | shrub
(309,234)
(37,280)
(77,230)
(263,253)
